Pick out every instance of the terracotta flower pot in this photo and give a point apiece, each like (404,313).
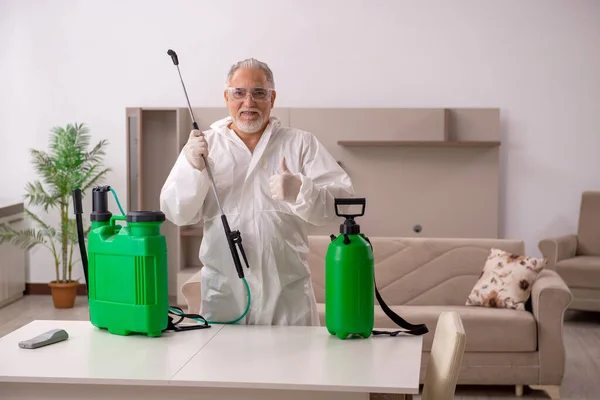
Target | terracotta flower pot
(63,293)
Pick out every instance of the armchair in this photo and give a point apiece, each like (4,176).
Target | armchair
(576,257)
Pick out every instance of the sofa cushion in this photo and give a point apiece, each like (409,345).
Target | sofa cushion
(580,271)
(506,280)
(488,329)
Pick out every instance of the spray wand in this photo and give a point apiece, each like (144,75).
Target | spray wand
(233,237)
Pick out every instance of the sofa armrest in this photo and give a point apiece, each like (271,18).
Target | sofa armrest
(558,248)
(550,298)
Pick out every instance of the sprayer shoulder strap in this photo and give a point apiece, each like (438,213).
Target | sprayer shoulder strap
(411,329)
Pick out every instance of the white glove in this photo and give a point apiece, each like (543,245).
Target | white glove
(285,186)
(195,147)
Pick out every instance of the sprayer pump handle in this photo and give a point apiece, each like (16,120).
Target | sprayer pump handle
(361,201)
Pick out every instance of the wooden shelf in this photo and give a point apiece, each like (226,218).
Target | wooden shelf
(409,143)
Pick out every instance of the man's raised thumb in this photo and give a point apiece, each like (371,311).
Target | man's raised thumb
(284,167)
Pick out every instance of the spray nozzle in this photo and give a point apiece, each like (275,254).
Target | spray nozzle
(173,56)
(350,227)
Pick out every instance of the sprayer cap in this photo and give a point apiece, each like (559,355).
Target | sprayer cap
(100,216)
(145,216)
(350,227)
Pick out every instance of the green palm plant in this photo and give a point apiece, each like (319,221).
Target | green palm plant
(67,165)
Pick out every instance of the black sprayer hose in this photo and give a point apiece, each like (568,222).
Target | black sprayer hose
(78,210)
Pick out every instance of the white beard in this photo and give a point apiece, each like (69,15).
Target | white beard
(249,126)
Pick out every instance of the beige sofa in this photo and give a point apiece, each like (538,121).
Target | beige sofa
(419,278)
(576,257)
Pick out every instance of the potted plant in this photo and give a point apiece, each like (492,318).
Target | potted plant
(67,165)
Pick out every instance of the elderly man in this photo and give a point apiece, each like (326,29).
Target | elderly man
(273,182)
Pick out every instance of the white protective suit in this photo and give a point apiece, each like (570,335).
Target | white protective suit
(274,232)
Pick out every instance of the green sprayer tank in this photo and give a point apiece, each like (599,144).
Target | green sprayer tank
(349,278)
(125,268)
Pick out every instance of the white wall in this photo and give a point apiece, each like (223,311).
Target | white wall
(539,61)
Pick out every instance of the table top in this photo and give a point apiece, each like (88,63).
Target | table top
(92,355)
(304,358)
(232,356)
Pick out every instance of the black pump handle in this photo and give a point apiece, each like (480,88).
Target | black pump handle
(348,202)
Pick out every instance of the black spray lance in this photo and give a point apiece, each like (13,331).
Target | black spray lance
(233,237)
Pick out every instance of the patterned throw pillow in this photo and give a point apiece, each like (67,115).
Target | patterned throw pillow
(506,280)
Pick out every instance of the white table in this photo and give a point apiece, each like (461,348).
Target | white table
(222,362)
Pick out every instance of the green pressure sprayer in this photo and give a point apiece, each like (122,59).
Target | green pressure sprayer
(350,287)
(126,270)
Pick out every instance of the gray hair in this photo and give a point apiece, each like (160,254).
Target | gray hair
(251,63)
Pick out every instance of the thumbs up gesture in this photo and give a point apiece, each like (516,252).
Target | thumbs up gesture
(285,186)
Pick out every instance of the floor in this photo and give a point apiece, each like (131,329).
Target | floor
(582,337)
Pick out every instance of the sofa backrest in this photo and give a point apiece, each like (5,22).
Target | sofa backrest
(588,235)
(419,271)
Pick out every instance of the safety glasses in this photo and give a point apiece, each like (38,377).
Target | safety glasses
(239,94)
